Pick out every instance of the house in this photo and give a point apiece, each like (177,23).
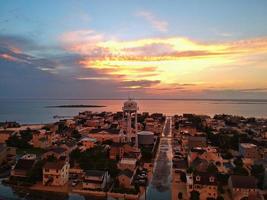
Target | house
(43,139)
(179,165)
(87,143)
(22,167)
(205,183)
(127,163)
(196,141)
(5,134)
(57,152)
(95,179)
(242,187)
(115,135)
(7,154)
(248,150)
(125,178)
(131,152)
(56,173)
(116,151)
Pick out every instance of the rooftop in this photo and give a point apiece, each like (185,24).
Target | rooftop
(243,181)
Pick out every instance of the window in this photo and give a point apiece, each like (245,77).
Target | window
(211,179)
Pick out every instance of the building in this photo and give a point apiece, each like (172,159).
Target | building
(22,167)
(87,143)
(204,183)
(56,173)
(127,163)
(104,134)
(242,187)
(196,141)
(43,139)
(5,134)
(125,178)
(130,109)
(248,150)
(57,152)
(7,154)
(116,151)
(95,179)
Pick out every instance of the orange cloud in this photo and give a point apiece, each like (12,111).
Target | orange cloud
(169,60)
(158,24)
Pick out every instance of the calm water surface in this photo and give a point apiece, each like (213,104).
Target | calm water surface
(36,111)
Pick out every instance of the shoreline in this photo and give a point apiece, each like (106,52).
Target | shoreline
(76,106)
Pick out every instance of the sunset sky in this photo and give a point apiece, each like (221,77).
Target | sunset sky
(136,48)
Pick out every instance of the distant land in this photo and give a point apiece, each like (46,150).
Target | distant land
(76,106)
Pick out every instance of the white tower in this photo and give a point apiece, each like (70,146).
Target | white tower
(130,109)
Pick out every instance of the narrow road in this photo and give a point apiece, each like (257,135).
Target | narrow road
(160,186)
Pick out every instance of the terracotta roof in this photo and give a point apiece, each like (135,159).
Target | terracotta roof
(109,131)
(127,173)
(54,165)
(243,181)
(57,149)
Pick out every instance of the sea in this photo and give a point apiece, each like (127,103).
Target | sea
(36,111)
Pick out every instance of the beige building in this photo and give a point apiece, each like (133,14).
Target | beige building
(43,139)
(7,154)
(56,173)
(248,150)
(127,163)
(4,135)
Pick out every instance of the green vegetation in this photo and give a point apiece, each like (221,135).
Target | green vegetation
(194,195)
(75,134)
(212,168)
(30,150)
(95,159)
(20,141)
(147,154)
(258,172)
(36,174)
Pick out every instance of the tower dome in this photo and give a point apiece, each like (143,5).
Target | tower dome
(130,105)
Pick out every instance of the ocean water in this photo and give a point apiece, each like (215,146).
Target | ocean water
(37,110)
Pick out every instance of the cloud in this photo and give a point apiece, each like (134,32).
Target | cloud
(158,24)
(139,84)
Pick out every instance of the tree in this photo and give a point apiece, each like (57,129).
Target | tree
(183,177)
(75,134)
(238,162)
(36,174)
(180,195)
(19,142)
(258,172)
(212,168)
(240,171)
(194,195)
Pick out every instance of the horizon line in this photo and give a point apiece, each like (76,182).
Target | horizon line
(153,99)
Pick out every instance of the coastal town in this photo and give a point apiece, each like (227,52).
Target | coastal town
(138,155)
